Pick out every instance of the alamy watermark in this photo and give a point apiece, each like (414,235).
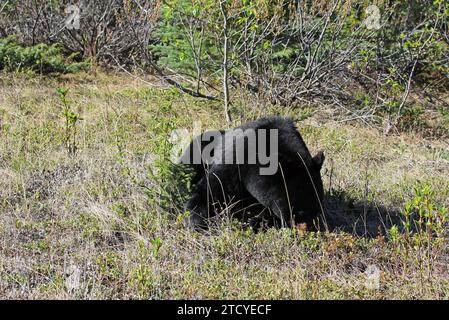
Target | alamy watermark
(236,146)
(372,277)
(372,21)
(72,21)
(73,17)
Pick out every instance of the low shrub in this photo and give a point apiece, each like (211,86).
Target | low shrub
(40,58)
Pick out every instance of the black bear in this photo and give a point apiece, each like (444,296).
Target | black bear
(261,173)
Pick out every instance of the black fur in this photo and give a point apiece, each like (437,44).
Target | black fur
(242,192)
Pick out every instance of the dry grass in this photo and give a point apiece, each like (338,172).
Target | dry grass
(82,226)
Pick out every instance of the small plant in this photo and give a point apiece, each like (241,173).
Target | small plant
(141,276)
(156,246)
(424,227)
(171,181)
(394,233)
(120,141)
(71,120)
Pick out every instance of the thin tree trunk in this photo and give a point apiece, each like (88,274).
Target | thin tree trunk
(198,61)
(225,62)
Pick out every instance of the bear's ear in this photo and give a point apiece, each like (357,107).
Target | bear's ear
(318,160)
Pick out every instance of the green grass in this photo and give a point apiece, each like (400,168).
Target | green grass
(80,225)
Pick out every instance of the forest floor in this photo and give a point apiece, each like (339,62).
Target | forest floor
(83,225)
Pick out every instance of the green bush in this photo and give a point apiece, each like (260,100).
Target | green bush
(170,181)
(40,58)
(186,40)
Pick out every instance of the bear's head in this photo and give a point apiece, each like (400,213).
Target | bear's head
(308,193)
